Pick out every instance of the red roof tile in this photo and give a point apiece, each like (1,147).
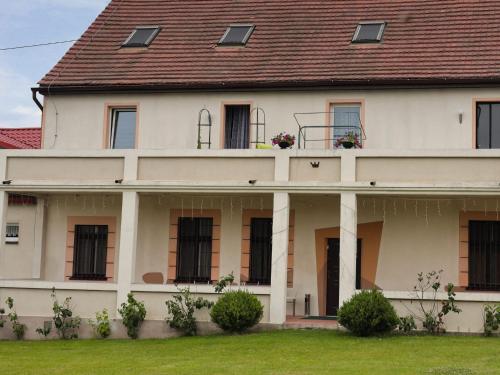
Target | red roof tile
(20,137)
(295,43)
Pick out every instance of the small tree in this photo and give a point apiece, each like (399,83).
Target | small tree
(491,318)
(432,313)
(66,324)
(181,310)
(133,314)
(101,325)
(19,329)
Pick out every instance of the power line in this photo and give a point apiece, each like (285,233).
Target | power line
(37,45)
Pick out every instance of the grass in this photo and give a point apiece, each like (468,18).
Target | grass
(280,352)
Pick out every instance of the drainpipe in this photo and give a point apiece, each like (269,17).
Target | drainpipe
(34,90)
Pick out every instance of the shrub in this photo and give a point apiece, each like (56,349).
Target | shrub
(368,313)
(101,325)
(491,319)
(181,310)
(45,330)
(406,324)
(133,313)
(2,319)
(19,329)
(66,324)
(433,310)
(237,311)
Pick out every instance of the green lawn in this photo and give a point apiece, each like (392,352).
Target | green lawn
(280,352)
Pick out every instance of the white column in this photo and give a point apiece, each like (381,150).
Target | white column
(348,246)
(4,203)
(128,244)
(281,215)
(39,246)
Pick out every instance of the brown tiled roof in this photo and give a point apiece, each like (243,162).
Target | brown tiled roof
(20,137)
(295,43)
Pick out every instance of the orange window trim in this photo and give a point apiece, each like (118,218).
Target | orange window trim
(247,216)
(72,221)
(370,235)
(175,214)
(329,103)
(108,108)
(223,119)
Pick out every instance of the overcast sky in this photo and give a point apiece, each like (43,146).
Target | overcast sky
(24,22)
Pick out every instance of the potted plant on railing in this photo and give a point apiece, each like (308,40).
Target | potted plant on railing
(284,140)
(349,140)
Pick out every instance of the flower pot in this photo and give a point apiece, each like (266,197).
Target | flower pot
(348,144)
(284,145)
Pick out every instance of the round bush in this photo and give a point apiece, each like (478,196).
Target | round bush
(237,311)
(368,313)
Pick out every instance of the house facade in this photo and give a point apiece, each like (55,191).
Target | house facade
(156,167)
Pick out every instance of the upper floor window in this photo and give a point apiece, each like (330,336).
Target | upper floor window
(123,128)
(237,126)
(488,125)
(345,118)
(90,252)
(194,249)
(484,255)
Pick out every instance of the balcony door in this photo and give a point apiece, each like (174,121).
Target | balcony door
(237,126)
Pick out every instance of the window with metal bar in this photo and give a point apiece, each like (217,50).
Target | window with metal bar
(488,125)
(90,252)
(194,249)
(261,234)
(484,255)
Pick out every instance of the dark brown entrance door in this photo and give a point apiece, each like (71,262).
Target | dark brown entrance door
(333,274)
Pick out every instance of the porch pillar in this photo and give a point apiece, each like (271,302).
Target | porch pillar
(4,203)
(128,244)
(279,263)
(348,246)
(39,247)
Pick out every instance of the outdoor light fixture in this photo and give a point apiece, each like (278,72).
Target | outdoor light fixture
(315,164)
(373,183)
(6,182)
(252,182)
(119,181)
(460,117)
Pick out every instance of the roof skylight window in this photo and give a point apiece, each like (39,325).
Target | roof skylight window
(369,32)
(236,35)
(142,36)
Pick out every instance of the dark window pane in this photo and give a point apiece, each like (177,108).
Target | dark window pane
(483,125)
(359,256)
(123,129)
(237,127)
(368,32)
(194,249)
(495,125)
(261,234)
(141,37)
(90,251)
(484,255)
(236,35)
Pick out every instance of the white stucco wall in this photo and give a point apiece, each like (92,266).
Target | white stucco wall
(394,118)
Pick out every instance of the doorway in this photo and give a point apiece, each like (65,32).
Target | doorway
(333,274)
